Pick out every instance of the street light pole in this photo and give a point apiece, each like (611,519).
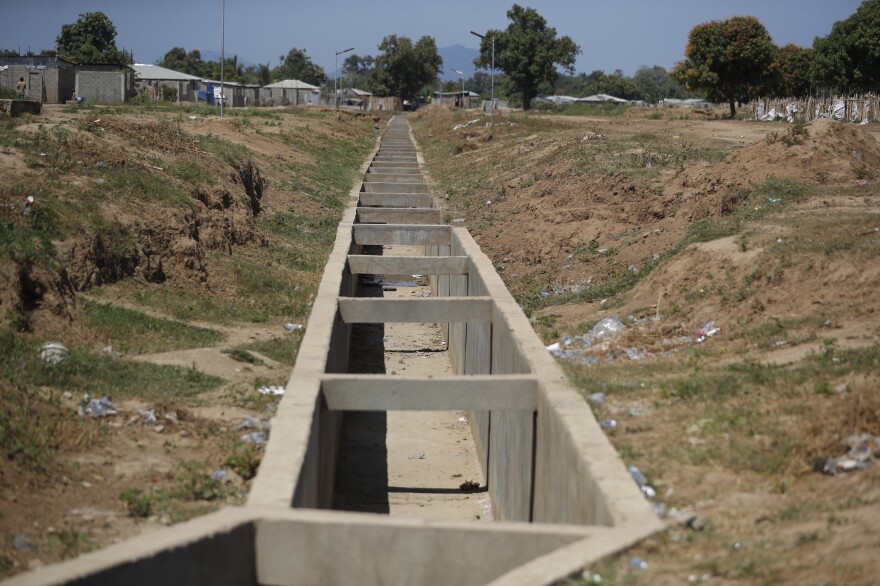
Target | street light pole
(492,112)
(222,50)
(336,78)
(461,99)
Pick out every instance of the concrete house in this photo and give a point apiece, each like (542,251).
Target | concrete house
(290,91)
(50,80)
(159,78)
(105,83)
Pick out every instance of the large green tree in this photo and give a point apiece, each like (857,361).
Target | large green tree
(179,60)
(789,74)
(848,59)
(403,69)
(298,65)
(91,39)
(727,59)
(528,51)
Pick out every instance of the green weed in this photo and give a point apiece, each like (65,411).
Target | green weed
(135,332)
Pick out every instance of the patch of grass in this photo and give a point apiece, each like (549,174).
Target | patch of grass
(192,174)
(282,349)
(135,332)
(194,481)
(138,503)
(84,372)
(71,543)
(226,150)
(135,185)
(245,460)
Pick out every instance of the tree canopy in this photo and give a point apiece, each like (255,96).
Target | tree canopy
(404,69)
(727,59)
(528,51)
(789,74)
(298,65)
(848,59)
(91,39)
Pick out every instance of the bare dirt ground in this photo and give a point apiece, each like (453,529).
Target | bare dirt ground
(743,261)
(210,234)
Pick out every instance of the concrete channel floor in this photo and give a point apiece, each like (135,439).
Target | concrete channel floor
(407,464)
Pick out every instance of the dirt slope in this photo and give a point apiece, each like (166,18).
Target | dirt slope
(743,262)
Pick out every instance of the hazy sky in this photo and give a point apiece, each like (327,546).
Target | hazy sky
(613,34)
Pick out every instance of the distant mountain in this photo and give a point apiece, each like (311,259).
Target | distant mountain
(458,57)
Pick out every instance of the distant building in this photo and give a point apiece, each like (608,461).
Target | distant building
(455,99)
(161,78)
(290,91)
(105,84)
(50,80)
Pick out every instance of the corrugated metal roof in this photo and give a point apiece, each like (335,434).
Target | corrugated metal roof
(292,84)
(157,72)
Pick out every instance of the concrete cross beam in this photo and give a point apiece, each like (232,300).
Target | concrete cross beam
(456,393)
(404,234)
(368,215)
(426,311)
(408,265)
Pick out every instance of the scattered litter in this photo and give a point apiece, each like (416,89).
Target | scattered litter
(28,204)
(488,202)
(291,327)
(597,398)
(458,127)
(97,407)
(609,325)
(591,578)
(707,330)
(469,485)
(218,475)
(608,423)
(271,390)
(252,423)
(425,294)
(109,352)
(863,449)
(686,518)
(254,437)
(774,199)
(101,165)
(593,136)
(462,419)
(417,456)
(457,220)
(53,352)
(22,542)
(554,347)
(149,417)
(193,117)
(638,563)
(171,416)
(642,482)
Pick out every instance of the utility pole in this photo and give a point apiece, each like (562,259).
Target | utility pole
(492,114)
(222,50)
(336,78)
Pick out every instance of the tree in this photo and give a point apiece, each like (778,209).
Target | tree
(357,70)
(848,58)
(528,52)
(404,69)
(655,84)
(179,60)
(91,39)
(298,65)
(789,74)
(727,59)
